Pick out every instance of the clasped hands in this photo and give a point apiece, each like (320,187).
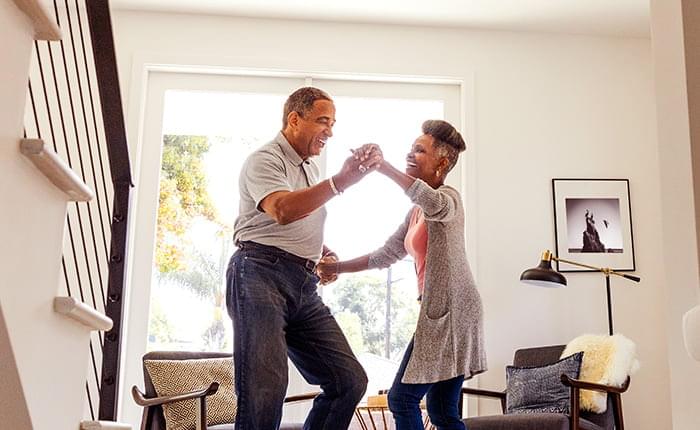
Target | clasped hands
(327,269)
(363,161)
(367,157)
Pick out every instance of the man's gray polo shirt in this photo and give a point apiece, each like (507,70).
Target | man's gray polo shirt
(276,166)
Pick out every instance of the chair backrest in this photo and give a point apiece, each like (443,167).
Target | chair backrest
(155,419)
(543,355)
(539,356)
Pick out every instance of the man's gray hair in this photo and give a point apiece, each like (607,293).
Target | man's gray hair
(448,142)
(302,101)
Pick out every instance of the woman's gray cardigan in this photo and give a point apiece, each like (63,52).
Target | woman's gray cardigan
(449,338)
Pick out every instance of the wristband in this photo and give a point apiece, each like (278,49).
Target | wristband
(333,187)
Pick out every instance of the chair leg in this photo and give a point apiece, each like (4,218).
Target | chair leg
(574,406)
(617,411)
(201,420)
(144,419)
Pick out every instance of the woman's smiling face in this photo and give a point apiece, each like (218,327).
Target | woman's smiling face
(424,159)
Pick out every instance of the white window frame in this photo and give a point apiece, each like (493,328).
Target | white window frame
(151,81)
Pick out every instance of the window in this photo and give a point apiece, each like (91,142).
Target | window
(209,126)
(206,138)
(376,309)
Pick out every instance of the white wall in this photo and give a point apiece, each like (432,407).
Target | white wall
(679,235)
(545,106)
(15,50)
(43,355)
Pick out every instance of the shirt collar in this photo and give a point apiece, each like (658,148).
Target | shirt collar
(288,150)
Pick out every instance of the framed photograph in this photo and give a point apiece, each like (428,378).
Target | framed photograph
(593,223)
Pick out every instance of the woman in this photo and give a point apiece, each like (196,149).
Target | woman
(447,346)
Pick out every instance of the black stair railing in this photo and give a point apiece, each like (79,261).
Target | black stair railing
(74,104)
(115,133)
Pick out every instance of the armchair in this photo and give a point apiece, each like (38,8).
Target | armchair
(576,420)
(153,417)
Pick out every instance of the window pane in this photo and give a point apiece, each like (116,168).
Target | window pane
(206,138)
(377,309)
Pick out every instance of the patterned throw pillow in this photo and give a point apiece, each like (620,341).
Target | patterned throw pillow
(539,389)
(172,377)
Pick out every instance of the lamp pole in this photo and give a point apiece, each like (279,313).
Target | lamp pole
(607,289)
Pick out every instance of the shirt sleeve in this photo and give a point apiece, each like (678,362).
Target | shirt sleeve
(393,250)
(264,174)
(438,205)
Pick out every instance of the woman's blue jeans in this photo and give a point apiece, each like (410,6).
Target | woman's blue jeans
(276,313)
(442,401)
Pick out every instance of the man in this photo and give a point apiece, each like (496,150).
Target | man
(271,285)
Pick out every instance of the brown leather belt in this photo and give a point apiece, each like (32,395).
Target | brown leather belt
(309,265)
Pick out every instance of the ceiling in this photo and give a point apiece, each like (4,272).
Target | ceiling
(624,18)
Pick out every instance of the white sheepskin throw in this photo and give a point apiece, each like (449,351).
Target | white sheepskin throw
(606,360)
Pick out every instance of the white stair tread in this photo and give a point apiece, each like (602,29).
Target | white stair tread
(55,169)
(82,313)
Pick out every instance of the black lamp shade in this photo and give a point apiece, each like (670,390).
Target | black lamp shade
(543,276)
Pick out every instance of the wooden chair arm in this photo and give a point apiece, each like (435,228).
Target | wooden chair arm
(500,395)
(142,400)
(576,385)
(475,391)
(584,385)
(301,397)
(485,393)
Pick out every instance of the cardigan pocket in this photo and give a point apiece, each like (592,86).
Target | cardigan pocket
(439,319)
(435,338)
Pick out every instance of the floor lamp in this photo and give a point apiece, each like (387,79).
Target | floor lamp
(544,276)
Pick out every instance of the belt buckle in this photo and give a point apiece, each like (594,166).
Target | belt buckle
(309,265)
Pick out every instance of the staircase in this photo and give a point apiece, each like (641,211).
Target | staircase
(62,246)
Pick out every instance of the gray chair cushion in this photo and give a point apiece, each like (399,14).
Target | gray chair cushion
(531,357)
(525,422)
(539,389)
(542,355)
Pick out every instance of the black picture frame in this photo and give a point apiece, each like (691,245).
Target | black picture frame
(593,223)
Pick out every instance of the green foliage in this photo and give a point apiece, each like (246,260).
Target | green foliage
(204,276)
(352,328)
(159,328)
(214,336)
(183,196)
(364,296)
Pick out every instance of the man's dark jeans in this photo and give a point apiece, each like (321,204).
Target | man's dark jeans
(442,400)
(276,313)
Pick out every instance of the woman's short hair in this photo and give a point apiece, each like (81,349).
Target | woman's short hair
(448,142)
(302,101)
